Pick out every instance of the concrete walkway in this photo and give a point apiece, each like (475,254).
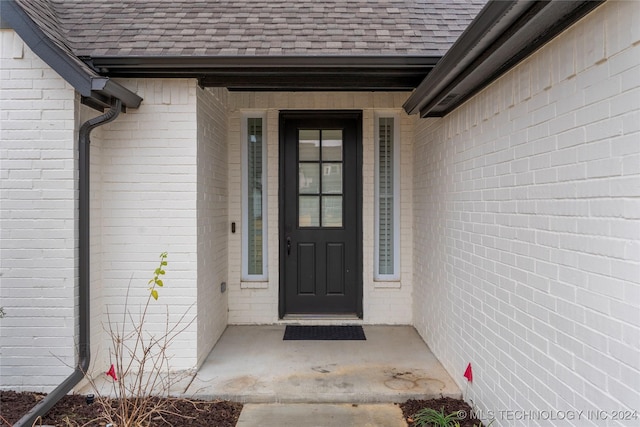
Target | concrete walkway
(252,364)
(321,415)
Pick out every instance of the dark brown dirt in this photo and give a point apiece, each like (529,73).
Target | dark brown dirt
(73,411)
(446,404)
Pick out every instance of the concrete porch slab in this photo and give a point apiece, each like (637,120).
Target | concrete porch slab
(252,364)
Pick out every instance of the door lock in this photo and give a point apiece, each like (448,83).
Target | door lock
(288,245)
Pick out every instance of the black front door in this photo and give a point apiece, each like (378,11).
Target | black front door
(320,211)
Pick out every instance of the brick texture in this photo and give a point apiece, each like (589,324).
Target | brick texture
(526,227)
(213,224)
(37,220)
(149,205)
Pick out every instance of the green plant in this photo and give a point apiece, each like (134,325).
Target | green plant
(156,276)
(428,417)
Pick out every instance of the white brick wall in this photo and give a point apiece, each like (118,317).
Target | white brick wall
(37,220)
(159,182)
(384,303)
(213,224)
(527,227)
(149,205)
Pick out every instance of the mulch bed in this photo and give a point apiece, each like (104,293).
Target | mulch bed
(446,404)
(73,411)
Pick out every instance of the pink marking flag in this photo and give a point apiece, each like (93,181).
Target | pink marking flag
(468,374)
(112,373)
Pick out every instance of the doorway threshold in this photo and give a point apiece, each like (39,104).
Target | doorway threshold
(321,319)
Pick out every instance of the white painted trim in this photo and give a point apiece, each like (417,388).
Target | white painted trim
(396,200)
(254,285)
(246,277)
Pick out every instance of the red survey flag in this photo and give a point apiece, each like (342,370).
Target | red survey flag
(112,373)
(468,374)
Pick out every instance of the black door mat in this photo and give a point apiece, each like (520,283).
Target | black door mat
(324,333)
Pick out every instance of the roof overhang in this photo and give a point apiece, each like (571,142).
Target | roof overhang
(503,34)
(96,90)
(280,73)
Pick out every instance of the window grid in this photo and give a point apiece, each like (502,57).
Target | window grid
(325,199)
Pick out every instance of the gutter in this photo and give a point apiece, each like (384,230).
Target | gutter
(100,90)
(502,35)
(135,63)
(106,86)
(492,20)
(283,73)
(84,333)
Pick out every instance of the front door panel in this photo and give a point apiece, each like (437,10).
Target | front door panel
(320,213)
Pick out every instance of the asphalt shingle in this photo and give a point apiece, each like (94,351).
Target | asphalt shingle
(46,16)
(258,28)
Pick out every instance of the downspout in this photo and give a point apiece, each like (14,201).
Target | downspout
(84,350)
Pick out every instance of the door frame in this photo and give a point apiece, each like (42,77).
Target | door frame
(284,116)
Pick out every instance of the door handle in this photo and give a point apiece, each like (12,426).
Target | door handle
(288,245)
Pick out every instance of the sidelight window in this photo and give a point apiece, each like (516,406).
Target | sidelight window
(387,200)
(254,212)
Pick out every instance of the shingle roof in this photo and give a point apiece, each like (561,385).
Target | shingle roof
(45,15)
(258,44)
(262,27)
(37,24)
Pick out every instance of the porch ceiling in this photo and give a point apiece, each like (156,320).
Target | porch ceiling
(393,73)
